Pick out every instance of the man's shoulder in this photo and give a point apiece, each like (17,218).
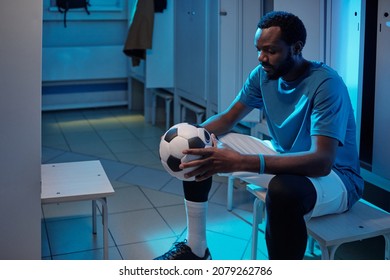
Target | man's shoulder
(320,68)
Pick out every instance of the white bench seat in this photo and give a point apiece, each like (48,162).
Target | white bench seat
(362,221)
(78,181)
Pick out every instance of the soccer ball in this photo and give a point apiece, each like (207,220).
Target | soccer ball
(180,137)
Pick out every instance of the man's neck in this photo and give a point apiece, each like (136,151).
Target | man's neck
(298,70)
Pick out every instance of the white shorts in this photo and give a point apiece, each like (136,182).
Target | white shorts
(331,193)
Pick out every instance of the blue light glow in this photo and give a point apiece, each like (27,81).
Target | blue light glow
(345,45)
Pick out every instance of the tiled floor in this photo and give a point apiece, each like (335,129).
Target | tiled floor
(146,213)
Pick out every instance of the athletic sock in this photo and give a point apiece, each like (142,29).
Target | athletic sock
(196,226)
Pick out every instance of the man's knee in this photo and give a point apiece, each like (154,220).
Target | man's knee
(291,191)
(197,191)
(279,188)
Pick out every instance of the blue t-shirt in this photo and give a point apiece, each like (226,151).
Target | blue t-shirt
(317,103)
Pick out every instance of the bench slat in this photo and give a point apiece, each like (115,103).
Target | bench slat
(361,222)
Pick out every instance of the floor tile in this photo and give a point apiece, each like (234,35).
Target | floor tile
(74,126)
(146,250)
(105,123)
(56,141)
(153,143)
(241,197)
(175,217)
(45,247)
(173,186)
(141,158)
(229,223)
(127,199)
(146,177)
(224,247)
(113,254)
(138,226)
(74,235)
(71,156)
(160,199)
(116,134)
(115,169)
(67,210)
(126,145)
(146,131)
(49,154)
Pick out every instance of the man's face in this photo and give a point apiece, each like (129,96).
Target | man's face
(273,53)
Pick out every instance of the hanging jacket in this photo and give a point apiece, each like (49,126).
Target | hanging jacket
(139,37)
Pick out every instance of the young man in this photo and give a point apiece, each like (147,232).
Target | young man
(311,164)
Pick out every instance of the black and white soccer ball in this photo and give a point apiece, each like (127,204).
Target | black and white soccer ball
(180,137)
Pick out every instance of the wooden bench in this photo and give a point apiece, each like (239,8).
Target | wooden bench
(364,220)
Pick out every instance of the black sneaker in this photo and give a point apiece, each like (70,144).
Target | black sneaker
(180,251)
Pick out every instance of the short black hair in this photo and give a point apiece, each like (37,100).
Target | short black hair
(293,29)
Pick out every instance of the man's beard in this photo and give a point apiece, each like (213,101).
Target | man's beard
(283,68)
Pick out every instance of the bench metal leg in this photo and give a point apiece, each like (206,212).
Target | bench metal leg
(230,191)
(103,202)
(327,253)
(387,246)
(105,227)
(183,114)
(199,117)
(167,113)
(94,206)
(310,244)
(168,101)
(258,210)
(154,107)
(184,105)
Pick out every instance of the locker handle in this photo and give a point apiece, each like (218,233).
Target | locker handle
(223,13)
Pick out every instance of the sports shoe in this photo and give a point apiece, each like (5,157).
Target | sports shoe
(180,251)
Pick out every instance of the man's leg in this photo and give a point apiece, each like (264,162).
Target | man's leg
(289,198)
(196,205)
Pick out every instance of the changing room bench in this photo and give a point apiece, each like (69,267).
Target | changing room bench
(78,181)
(364,220)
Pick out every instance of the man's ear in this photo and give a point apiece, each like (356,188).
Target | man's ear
(297,47)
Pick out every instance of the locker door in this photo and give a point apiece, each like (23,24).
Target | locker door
(229,84)
(312,15)
(190,48)
(238,22)
(343,49)
(381,148)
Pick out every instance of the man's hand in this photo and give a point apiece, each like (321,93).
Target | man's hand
(213,160)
